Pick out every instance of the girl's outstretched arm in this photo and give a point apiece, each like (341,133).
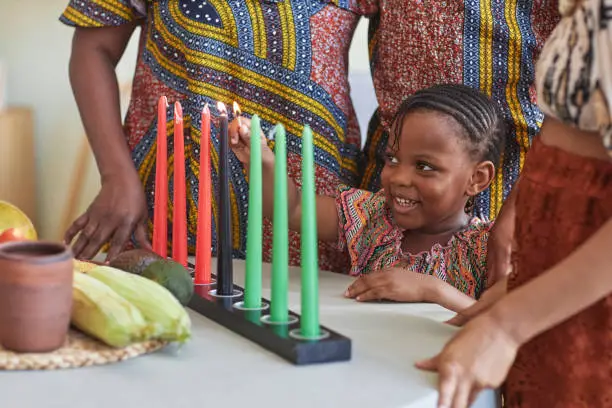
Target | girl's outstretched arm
(327,214)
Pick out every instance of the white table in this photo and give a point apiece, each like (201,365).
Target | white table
(220,368)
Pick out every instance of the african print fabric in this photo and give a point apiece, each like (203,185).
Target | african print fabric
(374,242)
(486,44)
(285,60)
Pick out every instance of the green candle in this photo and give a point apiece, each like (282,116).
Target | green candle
(252,285)
(280,239)
(309,325)
(281,330)
(253,316)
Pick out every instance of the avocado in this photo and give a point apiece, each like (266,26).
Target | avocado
(173,276)
(134,261)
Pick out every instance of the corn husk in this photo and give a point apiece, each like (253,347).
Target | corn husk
(168,318)
(100,312)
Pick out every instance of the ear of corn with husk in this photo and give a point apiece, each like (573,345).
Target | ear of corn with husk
(100,312)
(161,310)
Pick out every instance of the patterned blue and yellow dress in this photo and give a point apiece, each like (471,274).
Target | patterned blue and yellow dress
(285,60)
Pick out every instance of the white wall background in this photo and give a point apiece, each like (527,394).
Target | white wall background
(35,48)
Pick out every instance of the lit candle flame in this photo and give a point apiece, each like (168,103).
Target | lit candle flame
(271,133)
(221,108)
(237,110)
(206,109)
(178,112)
(237,113)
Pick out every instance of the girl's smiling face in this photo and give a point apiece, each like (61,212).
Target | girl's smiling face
(430,173)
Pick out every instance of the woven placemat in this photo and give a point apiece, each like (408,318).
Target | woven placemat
(80,350)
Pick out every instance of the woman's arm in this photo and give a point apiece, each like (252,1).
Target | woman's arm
(95,54)
(119,210)
(577,282)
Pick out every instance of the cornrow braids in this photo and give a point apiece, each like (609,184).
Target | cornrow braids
(472,110)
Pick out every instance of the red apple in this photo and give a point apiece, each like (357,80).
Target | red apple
(12,234)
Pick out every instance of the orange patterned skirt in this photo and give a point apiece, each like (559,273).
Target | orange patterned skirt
(563,199)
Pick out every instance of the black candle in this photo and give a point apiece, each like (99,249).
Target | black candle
(225,278)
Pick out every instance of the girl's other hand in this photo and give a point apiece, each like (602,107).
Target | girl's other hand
(118,211)
(477,357)
(239,131)
(392,284)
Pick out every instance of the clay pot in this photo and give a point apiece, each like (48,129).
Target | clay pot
(35,295)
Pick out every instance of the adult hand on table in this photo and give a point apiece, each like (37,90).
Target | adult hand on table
(477,357)
(118,211)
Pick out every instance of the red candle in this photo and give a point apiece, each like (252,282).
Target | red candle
(204,240)
(179,215)
(160,211)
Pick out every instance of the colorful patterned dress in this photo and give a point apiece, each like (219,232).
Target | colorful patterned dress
(488,44)
(285,60)
(374,242)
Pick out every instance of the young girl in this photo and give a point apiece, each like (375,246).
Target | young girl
(413,240)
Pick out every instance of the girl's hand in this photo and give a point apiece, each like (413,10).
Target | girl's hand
(239,131)
(488,299)
(478,357)
(392,284)
(118,211)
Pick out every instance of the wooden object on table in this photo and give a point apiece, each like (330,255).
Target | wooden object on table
(255,325)
(17,161)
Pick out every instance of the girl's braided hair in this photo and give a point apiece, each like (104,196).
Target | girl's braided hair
(482,125)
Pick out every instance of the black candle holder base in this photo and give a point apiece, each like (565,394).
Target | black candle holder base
(284,340)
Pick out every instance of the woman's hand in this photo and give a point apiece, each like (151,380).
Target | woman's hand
(488,299)
(392,284)
(118,211)
(239,131)
(478,357)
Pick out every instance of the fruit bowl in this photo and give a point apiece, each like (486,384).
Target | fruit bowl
(15,224)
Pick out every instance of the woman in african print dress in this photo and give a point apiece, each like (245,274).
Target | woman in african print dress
(284,60)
